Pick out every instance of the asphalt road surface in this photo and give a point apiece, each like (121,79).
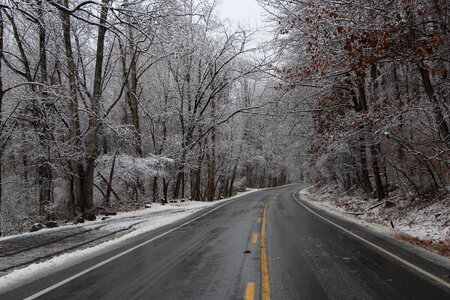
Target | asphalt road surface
(266,245)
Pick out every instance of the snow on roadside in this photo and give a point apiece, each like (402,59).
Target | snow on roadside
(120,215)
(155,208)
(423,222)
(38,270)
(175,212)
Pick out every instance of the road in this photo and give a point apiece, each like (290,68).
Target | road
(266,245)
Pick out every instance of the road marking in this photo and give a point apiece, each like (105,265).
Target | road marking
(250,291)
(265,281)
(255,238)
(407,263)
(75,276)
(259,220)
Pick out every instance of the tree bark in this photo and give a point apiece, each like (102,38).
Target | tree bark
(376,173)
(373,148)
(41,112)
(362,105)
(439,116)
(212,157)
(133,96)
(131,85)
(94,122)
(1,111)
(111,175)
(76,169)
(233,176)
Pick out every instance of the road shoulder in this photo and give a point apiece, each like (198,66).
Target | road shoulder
(148,227)
(382,236)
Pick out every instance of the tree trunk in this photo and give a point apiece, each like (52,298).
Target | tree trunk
(176,190)
(130,79)
(212,160)
(155,189)
(94,123)
(373,148)
(362,105)
(376,173)
(76,169)
(87,203)
(133,97)
(211,178)
(196,181)
(233,176)
(165,189)
(111,175)
(45,172)
(439,116)
(1,112)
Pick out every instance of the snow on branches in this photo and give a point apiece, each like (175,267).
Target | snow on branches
(131,169)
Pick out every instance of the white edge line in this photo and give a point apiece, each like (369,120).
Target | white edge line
(52,287)
(416,268)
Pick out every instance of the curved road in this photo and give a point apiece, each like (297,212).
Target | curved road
(266,245)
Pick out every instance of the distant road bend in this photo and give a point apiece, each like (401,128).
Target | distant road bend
(265,245)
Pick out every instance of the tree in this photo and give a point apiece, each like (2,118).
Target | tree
(118,103)
(352,53)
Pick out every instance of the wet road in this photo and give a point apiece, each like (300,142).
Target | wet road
(266,245)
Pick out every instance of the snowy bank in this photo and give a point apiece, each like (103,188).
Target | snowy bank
(424,222)
(138,222)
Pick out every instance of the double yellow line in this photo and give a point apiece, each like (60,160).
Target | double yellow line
(265,282)
(265,279)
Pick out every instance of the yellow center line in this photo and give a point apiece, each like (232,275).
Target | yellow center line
(265,282)
(250,291)
(255,238)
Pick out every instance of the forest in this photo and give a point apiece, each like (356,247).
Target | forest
(376,76)
(118,103)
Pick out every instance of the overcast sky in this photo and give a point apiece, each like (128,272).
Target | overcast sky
(242,11)
(246,13)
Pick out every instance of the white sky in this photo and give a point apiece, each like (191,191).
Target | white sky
(242,11)
(248,14)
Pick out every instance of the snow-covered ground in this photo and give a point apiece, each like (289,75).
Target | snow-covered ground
(424,222)
(102,236)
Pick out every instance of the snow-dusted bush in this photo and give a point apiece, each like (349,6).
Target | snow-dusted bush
(131,177)
(131,169)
